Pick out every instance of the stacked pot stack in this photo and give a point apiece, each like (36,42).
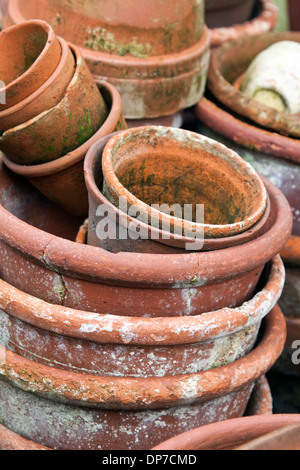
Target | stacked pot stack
(52,111)
(268,139)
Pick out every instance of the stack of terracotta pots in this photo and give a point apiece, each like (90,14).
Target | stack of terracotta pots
(267,139)
(53,112)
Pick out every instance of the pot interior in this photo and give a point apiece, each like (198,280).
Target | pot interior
(170,167)
(19,49)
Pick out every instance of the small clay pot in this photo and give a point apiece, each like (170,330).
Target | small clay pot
(265,18)
(223,13)
(47,96)
(142,411)
(287,438)
(30,53)
(62,180)
(145,181)
(229,62)
(229,434)
(62,129)
(154,240)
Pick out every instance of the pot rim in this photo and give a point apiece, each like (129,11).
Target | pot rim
(281,436)
(36,94)
(264,22)
(219,231)
(245,134)
(157,331)
(242,104)
(228,433)
(125,393)
(71,158)
(176,271)
(51,38)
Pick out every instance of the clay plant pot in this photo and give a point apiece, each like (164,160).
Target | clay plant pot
(222,13)
(130,347)
(287,438)
(232,60)
(88,278)
(141,411)
(261,396)
(229,434)
(46,97)
(265,17)
(62,180)
(62,129)
(157,62)
(30,53)
(294,15)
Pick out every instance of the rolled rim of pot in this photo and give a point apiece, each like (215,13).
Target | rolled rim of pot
(159,331)
(92,167)
(229,62)
(286,438)
(229,433)
(229,190)
(15,114)
(245,134)
(126,269)
(264,22)
(71,158)
(39,54)
(125,393)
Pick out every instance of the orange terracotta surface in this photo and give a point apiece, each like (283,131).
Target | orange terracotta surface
(287,438)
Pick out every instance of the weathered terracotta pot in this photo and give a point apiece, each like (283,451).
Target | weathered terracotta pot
(62,129)
(265,19)
(45,97)
(126,346)
(158,63)
(229,434)
(232,60)
(287,438)
(30,53)
(66,273)
(222,13)
(62,180)
(260,403)
(142,411)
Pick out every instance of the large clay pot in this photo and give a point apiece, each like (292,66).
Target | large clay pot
(265,16)
(141,411)
(30,53)
(157,62)
(45,97)
(62,129)
(229,434)
(222,13)
(62,180)
(260,403)
(89,278)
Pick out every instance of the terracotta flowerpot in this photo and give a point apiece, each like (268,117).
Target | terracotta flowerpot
(30,53)
(229,62)
(62,180)
(62,129)
(222,13)
(45,97)
(157,62)
(265,19)
(130,347)
(260,398)
(229,434)
(287,438)
(66,273)
(141,411)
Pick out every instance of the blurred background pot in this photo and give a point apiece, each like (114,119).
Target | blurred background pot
(222,13)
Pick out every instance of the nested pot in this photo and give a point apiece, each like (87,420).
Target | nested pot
(62,180)
(133,413)
(62,129)
(63,272)
(222,13)
(47,96)
(158,62)
(230,434)
(30,53)
(260,403)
